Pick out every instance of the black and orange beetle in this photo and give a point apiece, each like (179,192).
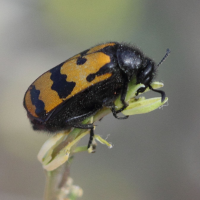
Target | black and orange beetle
(64,96)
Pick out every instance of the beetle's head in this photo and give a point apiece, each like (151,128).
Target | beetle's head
(147,73)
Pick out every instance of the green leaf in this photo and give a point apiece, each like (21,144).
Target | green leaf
(142,106)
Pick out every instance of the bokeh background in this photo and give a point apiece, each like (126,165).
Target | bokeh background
(156,155)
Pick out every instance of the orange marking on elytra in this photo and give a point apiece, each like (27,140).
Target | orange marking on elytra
(47,95)
(75,73)
(79,73)
(30,107)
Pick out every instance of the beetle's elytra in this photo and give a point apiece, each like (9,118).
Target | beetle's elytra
(65,95)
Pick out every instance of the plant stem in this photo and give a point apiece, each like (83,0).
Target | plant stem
(56,181)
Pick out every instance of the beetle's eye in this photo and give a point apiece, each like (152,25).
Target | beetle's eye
(148,70)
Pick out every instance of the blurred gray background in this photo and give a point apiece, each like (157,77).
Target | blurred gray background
(156,156)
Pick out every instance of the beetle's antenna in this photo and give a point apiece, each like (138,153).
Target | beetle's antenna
(163,59)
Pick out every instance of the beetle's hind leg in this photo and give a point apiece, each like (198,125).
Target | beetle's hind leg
(76,123)
(86,126)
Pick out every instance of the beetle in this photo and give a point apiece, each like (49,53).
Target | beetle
(65,95)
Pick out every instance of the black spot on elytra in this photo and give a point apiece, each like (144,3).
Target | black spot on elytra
(60,85)
(103,70)
(81,61)
(90,77)
(39,104)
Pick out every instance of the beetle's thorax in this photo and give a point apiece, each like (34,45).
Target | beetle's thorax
(129,59)
(133,63)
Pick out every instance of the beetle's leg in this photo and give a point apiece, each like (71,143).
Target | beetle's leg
(82,126)
(86,126)
(114,112)
(91,137)
(76,123)
(123,96)
(111,105)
